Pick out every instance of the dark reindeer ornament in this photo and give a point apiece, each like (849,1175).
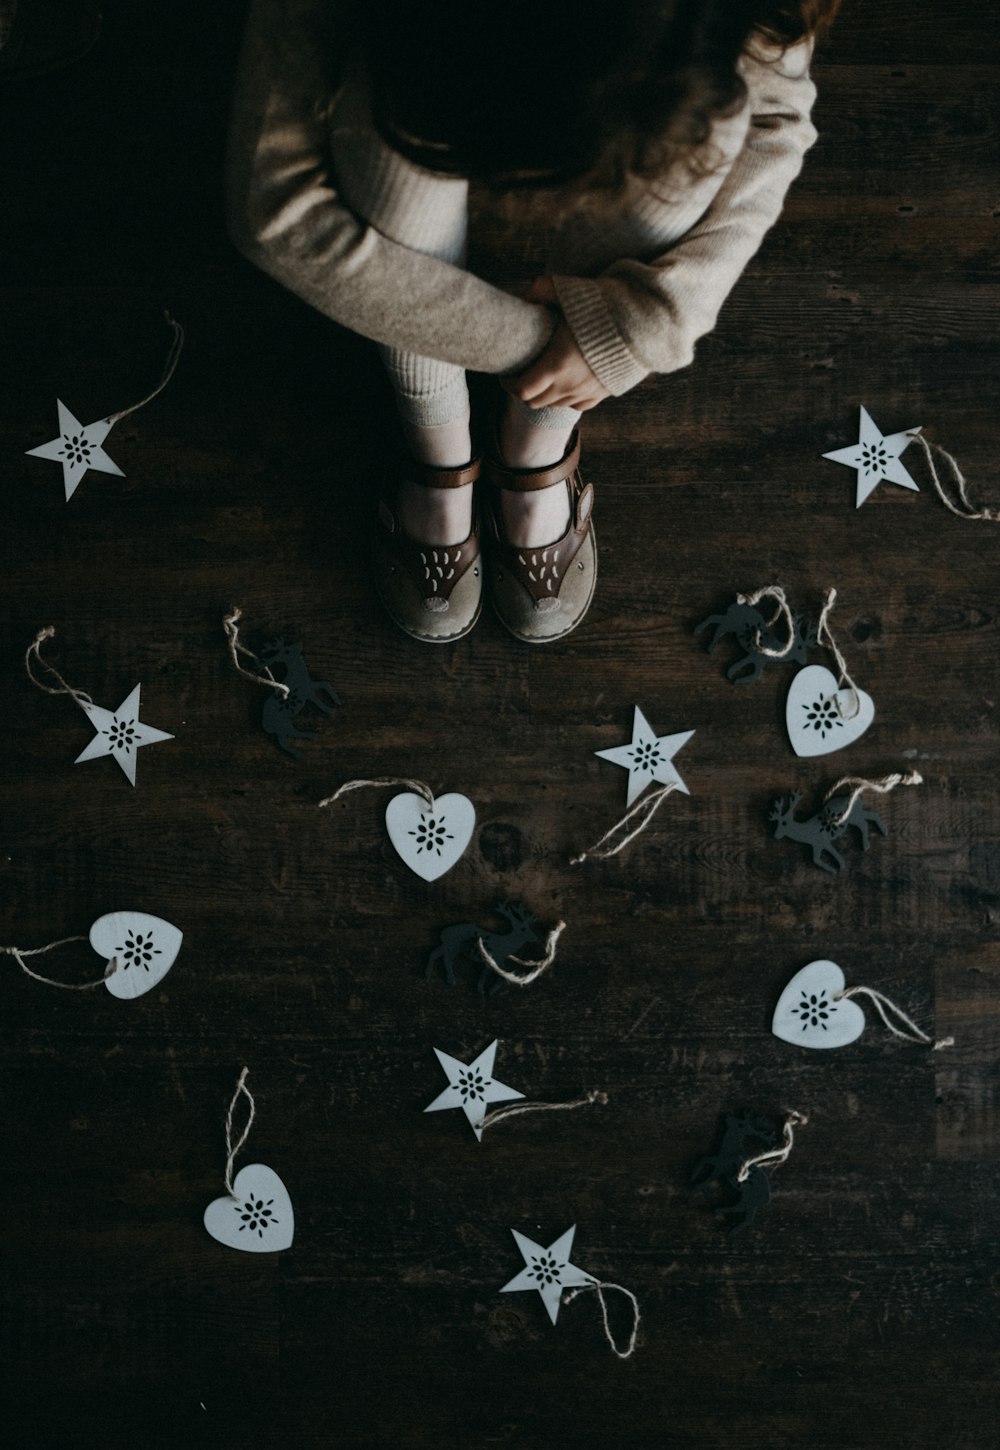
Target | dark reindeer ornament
(819,831)
(460,942)
(753,633)
(744,1136)
(280,711)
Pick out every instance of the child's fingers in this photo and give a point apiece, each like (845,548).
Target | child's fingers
(541,290)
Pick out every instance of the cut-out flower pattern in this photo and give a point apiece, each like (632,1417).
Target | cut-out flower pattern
(471,1084)
(823,715)
(121,734)
(78,448)
(431,834)
(138,950)
(874,457)
(646,755)
(814,1010)
(256,1215)
(544,1268)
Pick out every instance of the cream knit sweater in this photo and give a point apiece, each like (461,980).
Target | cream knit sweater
(630,314)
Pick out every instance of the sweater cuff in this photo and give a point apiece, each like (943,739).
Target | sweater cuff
(597,335)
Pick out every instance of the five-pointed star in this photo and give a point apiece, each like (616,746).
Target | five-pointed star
(876,457)
(471,1087)
(548,1270)
(77,448)
(648,757)
(120,733)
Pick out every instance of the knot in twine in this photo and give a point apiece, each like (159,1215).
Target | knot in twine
(230,624)
(967,511)
(883,1005)
(241,1091)
(513,1112)
(645,808)
(35,649)
(860,784)
(824,635)
(536,968)
(176,344)
(774,1156)
(598,1287)
(783,611)
(19,954)
(417,786)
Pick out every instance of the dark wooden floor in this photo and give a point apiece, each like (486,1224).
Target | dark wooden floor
(863,1305)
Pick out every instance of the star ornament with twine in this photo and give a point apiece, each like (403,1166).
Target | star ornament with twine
(549,1271)
(79,447)
(876,458)
(118,733)
(648,758)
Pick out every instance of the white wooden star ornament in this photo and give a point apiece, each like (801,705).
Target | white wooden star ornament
(78,448)
(648,757)
(876,458)
(548,1270)
(471,1087)
(119,733)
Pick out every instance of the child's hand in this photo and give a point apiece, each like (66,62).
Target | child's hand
(561,377)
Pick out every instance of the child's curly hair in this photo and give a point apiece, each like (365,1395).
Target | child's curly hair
(568,97)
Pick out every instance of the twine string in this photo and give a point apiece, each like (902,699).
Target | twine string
(19,954)
(783,611)
(860,784)
(824,635)
(774,1156)
(645,808)
(967,511)
(176,344)
(598,1287)
(241,1091)
(35,648)
(502,1114)
(884,1006)
(231,625)
(535,968)
(417,786)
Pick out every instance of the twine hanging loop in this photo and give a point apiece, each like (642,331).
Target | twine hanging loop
(967,510)
(598,1287)
(500,1115)
(860,784)
(378,782)
(773,1157)
(909,1032)
(231,1152)
(19,954)
(824,635)
(34,650)
(173,355)
(231,626)
(645,809)
(534,969)
(783,611)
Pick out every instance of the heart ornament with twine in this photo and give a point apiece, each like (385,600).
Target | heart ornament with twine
(143,948)
(811,1012)
(430,839)
(818,714)
(257,1217)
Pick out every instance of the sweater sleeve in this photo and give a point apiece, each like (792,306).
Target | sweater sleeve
(285,214)
(637,317)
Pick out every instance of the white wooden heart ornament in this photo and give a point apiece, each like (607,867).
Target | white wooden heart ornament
(144,947)
(815,724)
(808,1013)
(430,839)
(257,1217)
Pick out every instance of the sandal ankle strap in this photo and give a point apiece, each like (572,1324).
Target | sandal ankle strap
(527,480)
(430,477)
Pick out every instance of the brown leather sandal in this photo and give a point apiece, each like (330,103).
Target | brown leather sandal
(434,592)
(542,594)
